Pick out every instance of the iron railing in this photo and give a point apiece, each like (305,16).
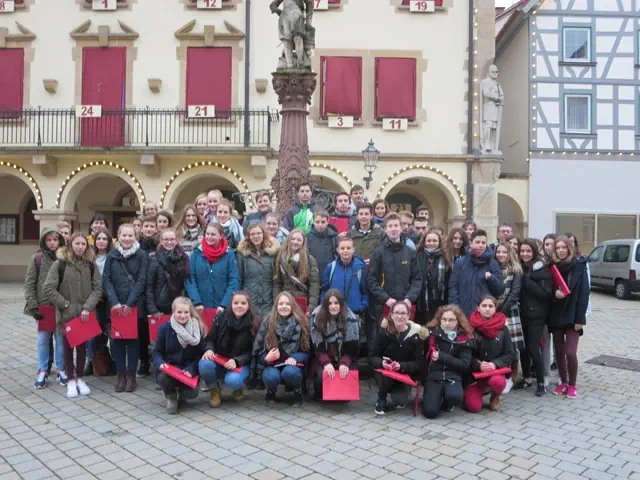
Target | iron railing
(133,128)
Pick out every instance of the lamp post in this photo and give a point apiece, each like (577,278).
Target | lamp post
(370,155)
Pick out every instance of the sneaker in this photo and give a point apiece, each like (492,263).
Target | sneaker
(238,395)
(547,381)
(41,380)
(561,389)
(401,406)
(260,385)
(447,408)
(83,388)
(572,392)
(380,407)
(522,384)
(540,391)
(62,379)
(270,396)
(297,398)
(509,386)
(72,389)
(143,371)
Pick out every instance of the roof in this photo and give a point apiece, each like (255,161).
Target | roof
(509,20)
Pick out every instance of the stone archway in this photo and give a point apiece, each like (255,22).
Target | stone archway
(510,211)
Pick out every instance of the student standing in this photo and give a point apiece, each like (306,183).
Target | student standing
(300,215)
(190,229)
(469,228)
(380,210)
(201,205)
(263,202)
(125,275)
(213,199)
(149,239)
(322,240)
(74,286)
(37,271)
(97,222)
(232,229)
(435,270)
(150,209)
(164,219)
(272,225)
(367,236)
(357,197)
(342,209)
(457,244)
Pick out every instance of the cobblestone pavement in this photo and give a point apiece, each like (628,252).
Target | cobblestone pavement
(45,435)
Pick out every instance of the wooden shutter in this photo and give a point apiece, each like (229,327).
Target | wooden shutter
(341,86)
(395,88)
(209,82)
(11,80)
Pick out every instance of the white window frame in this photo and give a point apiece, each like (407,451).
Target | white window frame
(588,131)
(564,45)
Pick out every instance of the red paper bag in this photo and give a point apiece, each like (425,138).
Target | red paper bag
(303,303)
(124,327)
(78,333)
(208,316)
(341,223)
(155,324)
(179,375)
(558,281)
(387,311)
(497,371)
(341,389)
(48,323)
(220,360)
(400,377)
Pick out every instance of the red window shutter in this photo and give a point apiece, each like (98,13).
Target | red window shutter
(30,226)
(11,79)
(334,2)
(341,86)
(438,3)
(395,88)
(209,82)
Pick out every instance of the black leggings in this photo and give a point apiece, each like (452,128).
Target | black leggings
(399,391)
(143,340)
(437,392)
(532,352)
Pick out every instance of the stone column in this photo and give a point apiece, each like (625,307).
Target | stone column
(294,90)
(485,174)
(49,218)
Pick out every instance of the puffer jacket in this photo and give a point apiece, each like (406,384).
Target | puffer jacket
(157,296)
(535,294)
(322,246)
(497,350)
(79,290)
(35,277)
(256,274)
(169,350)
(468,284)
(119,287)
(282,283)
(366,244)
(288,221)
(232,337)
(454,358)
(572,309)
(352,277)
(212,285)
(408,353)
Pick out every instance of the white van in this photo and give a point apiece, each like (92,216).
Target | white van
(615,265)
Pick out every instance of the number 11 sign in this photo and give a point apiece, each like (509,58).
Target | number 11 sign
(396,124)
(422,6)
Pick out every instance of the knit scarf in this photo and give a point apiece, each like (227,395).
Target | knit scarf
(288,333)
(233,229)
(489,328)
(507,278)
(191,234)
(189,333)
(290,270)
(303,219)
(129,251)
(479,258)
(176,266)
(213,254)
(334,336)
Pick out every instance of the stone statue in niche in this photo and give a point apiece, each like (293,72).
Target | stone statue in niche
(296,32)
(491,104)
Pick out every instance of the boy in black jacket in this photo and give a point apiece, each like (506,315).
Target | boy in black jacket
(322,241)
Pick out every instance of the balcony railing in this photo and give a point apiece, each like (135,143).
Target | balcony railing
(134,128)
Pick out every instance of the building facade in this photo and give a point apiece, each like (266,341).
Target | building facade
(107,104)
(571,68)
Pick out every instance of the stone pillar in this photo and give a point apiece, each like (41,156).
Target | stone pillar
(49,218)
(485,174)
(455,222)
(294,90)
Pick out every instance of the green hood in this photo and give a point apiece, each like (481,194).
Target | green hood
(43,234)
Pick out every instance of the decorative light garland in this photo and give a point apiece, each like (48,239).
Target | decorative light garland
(38,195)
(473,73)
(426,167)
(333,169)
(105,163)
(206,164)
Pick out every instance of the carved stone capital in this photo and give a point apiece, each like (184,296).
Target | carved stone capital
(48,165)
(151,165)
(294,89)
(259,166)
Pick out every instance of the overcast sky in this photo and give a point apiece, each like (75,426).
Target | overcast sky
(505,3)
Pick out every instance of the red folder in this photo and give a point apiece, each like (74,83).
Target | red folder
(399,377)
(78,332)
(208,316)
(303,303)
(124,327)
(220,360)
(497,371)
(48,323)
(341,223)
(179,375)
(154,325)
(341,389)
(558,281)
(412,312)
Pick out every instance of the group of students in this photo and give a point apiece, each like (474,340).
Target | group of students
(295,301)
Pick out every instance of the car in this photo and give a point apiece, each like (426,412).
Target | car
(615,265)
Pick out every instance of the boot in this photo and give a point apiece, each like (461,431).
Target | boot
(88,370)
(131,382)
(172,403)
(121,383)
(494,403)
(238,395)
(215,397)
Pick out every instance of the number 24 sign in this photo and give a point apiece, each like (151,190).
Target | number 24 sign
(89,111)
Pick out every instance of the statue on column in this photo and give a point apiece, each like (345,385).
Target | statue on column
(491,104)
(296,33)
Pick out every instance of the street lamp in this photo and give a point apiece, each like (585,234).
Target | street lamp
(371,155)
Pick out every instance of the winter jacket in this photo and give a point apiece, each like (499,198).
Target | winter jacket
(256,274)
(328,353)
(366,244)
(393,273)
(212,285)
(572,309)
(282,282)
(498,351)
(37,271)
(322,246)
(157,295)
(119,287)
(431,296)
(149,245)
(78,290)
(293,211)
(408,353)
(231,337)
(454,358)
(254,217)
(352,277)
(168,350)
(535,294)
(468,284)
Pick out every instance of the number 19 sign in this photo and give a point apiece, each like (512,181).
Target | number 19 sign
(103,5)
(7,6)
(422,6)
(89,111)
(209,4)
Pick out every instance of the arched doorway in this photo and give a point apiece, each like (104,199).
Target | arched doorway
(408,195)
(509,211)
(203,183)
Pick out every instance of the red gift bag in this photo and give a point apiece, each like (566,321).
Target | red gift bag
(558,281)
(154,325)
(78,332)
(179,375)
(220,360)
(48,323)
(341,389)
(124,327)
(208,316)
(341,223)
(303,303)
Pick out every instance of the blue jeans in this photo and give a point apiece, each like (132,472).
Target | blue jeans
(91,346)
(43,351)
(211,372)
(289,375)
(125,353)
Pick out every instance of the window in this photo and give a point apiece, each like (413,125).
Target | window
(581,225)
(577,44)
(616,227)
(577,113)
(638,253)
(616,254)
(209,72)
(341,86)
(395,88)
(596,254)
(11,80)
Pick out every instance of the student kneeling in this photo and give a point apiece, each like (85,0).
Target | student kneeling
(231,337)
(180,344)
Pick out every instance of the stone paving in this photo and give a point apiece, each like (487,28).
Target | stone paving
(45,435)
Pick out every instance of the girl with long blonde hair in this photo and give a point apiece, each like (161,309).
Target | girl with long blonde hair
(190,229)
